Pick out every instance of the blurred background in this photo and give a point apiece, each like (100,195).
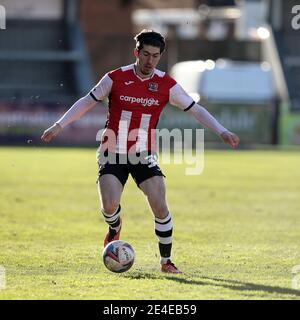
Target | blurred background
(240,59)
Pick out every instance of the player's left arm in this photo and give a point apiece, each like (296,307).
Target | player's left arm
(181,99)
(205,118)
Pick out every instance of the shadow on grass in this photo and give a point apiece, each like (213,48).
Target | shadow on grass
(216,282)
(136,275)
(236,285)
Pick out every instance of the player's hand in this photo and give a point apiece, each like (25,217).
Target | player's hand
(51,132)
(230,138)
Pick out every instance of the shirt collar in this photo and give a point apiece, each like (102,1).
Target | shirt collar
(142,79)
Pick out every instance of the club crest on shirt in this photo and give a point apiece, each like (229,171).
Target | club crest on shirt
(153,86)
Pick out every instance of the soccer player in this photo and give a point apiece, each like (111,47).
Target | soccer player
(137,94)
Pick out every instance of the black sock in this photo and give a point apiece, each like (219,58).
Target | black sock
(163,231)
(113,220)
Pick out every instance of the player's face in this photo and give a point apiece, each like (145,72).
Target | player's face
(148,59)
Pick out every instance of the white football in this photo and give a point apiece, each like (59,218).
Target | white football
(118,256)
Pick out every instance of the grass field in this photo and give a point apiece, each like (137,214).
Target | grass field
(236,228)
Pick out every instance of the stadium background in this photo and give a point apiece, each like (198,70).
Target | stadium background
(52,53)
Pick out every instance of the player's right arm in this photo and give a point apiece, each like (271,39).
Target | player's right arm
(79,108)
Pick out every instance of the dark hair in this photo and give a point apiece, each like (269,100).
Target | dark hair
(150,37)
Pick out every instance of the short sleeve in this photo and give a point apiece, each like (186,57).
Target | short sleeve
(179,98)
(102,88)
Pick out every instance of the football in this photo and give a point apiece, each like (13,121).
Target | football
(118,256)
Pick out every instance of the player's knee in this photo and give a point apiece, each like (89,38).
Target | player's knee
(160,208)
(110,206)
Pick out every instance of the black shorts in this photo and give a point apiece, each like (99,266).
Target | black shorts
(122,165)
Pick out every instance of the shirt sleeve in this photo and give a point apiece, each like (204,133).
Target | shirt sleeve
(102,88)
(78,109)
(205,118)
(179,98)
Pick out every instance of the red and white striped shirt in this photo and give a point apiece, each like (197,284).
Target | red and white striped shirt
(135,105)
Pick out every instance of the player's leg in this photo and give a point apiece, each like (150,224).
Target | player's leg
(110,191)
(155,191)
(111,181)
(112,177)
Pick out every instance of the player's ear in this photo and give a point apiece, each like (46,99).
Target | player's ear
(135,52)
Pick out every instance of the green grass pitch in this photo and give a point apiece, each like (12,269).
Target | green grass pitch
(236,228)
